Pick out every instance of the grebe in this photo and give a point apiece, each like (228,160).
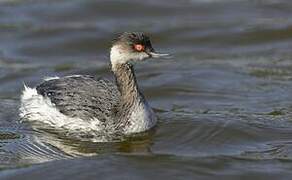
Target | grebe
(82,102)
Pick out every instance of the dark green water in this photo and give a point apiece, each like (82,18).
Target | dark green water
(224,101)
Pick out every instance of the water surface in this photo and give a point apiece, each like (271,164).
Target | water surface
(224,101)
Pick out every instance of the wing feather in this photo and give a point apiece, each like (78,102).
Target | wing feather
(82,96)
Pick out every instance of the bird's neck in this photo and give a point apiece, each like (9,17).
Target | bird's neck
(127,83)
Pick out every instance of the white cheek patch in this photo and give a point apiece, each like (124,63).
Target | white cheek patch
(143,56)
(119,56)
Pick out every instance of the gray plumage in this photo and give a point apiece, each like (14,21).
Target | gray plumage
(88,98)
(82,96)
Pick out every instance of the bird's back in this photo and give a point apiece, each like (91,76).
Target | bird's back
(82,97)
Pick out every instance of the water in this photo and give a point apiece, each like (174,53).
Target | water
(224,101)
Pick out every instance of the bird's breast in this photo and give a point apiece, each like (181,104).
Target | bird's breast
(141,119)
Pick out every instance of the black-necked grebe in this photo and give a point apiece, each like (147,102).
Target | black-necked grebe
(81,102)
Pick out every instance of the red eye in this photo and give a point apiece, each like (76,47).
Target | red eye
(139,47)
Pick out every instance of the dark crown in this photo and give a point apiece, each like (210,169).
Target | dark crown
(132,38)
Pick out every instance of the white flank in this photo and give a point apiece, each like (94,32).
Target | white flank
(37,109)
